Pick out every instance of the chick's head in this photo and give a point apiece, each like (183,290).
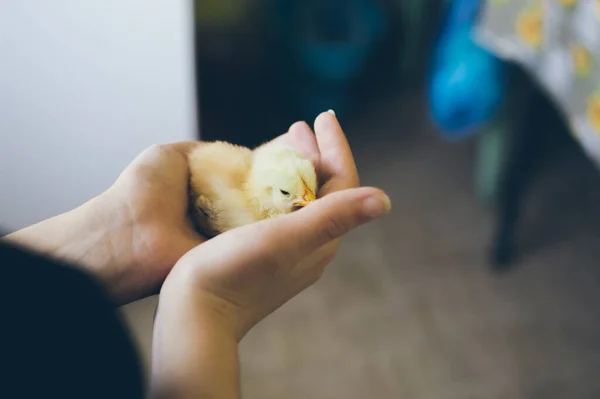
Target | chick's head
(282,179)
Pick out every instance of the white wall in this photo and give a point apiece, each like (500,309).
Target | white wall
(84,86)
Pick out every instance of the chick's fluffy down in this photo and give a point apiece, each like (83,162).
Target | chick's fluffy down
(218,172)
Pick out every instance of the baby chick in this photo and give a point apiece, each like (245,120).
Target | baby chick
(232,186)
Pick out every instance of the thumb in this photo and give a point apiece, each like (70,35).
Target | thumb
(328,218)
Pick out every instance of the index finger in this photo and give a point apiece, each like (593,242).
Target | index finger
(337,162)
(301,138)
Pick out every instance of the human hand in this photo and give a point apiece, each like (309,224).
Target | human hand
(151,198)
(220,289)
(244,274)
(131,235)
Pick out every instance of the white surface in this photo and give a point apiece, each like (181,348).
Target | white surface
(84,87)
(139,317)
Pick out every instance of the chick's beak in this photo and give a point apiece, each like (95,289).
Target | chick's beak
(308,197)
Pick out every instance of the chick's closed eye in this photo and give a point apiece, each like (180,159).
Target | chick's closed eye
(287,174)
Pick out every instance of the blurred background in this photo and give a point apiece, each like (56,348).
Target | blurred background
(481,119)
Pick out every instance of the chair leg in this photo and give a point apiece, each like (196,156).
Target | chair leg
(521,157)
(490,159)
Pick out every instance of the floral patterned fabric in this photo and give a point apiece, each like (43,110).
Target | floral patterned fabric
(558,42)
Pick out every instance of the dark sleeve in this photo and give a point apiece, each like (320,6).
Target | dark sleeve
(59,334)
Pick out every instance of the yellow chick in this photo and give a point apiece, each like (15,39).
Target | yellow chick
(232,186)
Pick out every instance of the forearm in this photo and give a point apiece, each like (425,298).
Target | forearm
(194,355)
(72,236)
(84,236)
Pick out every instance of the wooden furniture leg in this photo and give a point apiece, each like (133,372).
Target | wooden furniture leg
(521,155)
(507,154)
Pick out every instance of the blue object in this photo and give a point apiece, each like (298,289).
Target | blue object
(331,39)
(328,44)
(467,83)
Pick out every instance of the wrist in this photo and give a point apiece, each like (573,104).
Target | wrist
(85,237)
(104,244)
(182,288)
(195,349)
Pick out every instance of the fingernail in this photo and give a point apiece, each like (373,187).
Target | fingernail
(332,112)
(376,206)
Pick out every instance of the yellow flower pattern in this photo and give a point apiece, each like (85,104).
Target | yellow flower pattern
(568,3)
(593,111)
(582,60)
(530,26)
(558,43)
